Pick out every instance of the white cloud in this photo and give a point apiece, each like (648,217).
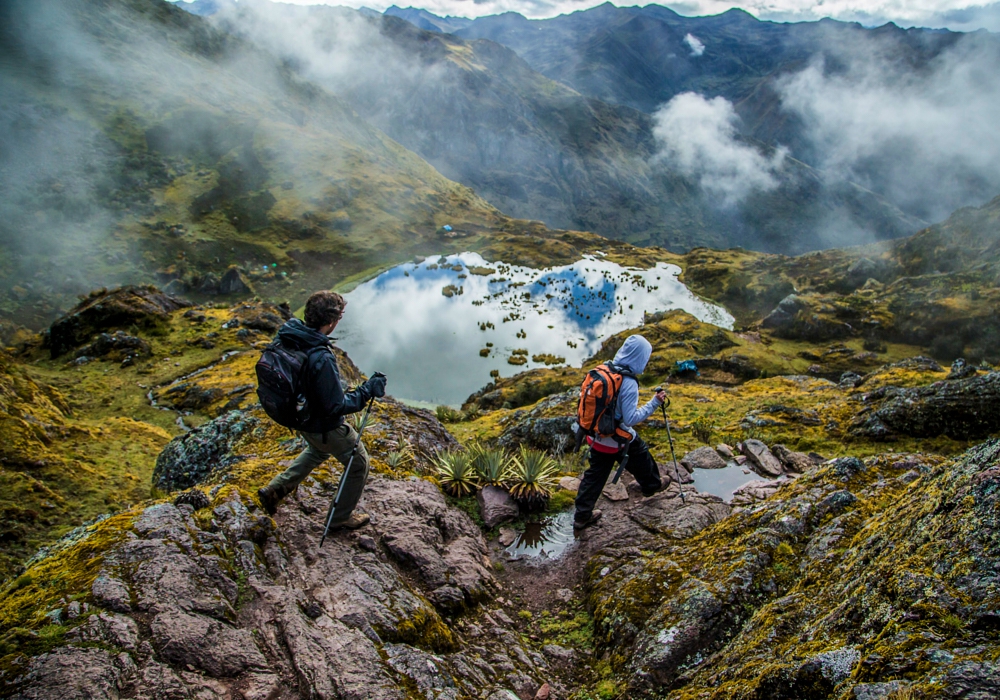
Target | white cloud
(698,138)
(960,15)
(927,139)
(697,47)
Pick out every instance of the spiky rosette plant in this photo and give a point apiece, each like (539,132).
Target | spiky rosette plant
(532,475)
(491,465)
(399,459)
(456,473)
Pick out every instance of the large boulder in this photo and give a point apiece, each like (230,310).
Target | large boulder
(962,409)
(122,308)
(261,315)
(539,429)
(761,460)
(496,506)
(792,461)
(233,282)
(703,458)
(117,346)
(207,451)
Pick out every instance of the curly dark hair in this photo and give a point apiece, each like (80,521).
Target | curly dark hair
(323,308)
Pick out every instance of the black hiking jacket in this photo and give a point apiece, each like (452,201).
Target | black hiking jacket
(328,404)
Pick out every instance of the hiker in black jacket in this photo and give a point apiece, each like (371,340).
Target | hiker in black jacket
(325,432)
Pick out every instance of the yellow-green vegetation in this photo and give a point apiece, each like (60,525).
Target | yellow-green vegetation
(787,403)
(80,440)
(531,475)
(25,600)
(456,473)
(548,359)
(889,569)
(491,464)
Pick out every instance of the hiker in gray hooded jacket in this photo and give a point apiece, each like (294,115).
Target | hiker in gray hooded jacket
(605,453)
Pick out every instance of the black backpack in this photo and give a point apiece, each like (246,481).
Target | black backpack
(280,378)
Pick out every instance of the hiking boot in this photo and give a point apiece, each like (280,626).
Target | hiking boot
(594,517)
(646,493)
(353,522)
(269,499)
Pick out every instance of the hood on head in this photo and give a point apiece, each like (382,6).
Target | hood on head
(300,336)
(634,354)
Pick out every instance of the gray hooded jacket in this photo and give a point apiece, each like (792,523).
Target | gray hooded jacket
(634,355)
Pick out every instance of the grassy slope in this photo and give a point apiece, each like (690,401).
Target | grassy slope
(82,439)
(935,286)
(206,153)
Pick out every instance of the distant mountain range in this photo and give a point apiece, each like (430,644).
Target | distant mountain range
(539,149)
(642,57)
(143,139)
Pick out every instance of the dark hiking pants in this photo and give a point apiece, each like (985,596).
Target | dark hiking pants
(339,442)
(640,464)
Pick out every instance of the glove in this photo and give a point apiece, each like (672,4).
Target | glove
(376,385)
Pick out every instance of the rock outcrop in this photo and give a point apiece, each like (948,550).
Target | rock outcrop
(759,457)
(772,603)
(261,316)
(105,310)
(792,461)
(203,453)
(496,506)
(540,429)
(803,319)
(962,409)
(703,458)
(234,604)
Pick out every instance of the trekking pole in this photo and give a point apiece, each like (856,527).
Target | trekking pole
(621,467)
(670,439)
(343,477)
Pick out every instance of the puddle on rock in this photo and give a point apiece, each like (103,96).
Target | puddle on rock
(546,540)
(438,328)
(723,482)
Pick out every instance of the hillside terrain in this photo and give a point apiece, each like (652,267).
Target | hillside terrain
(107,610)
(830,465)
(174,151)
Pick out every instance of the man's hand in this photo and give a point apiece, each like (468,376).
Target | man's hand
(661,396)
(376,385)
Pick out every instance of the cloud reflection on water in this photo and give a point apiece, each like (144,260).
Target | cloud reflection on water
(428,344)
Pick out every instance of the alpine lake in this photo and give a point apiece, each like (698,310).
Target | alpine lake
(437,328)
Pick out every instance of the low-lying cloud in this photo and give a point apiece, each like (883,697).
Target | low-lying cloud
(696,45)
(698,138)
(926,137)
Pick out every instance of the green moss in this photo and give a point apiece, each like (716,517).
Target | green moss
(574,630)
(425,629)
(560,501)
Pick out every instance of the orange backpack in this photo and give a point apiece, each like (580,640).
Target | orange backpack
(595,414)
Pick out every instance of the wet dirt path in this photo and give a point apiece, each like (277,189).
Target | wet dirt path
(545,596)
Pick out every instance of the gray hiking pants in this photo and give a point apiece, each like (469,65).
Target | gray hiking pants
(339,443)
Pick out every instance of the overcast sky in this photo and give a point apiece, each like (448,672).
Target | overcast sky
(960,15)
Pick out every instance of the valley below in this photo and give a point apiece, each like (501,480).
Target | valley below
(501,215)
